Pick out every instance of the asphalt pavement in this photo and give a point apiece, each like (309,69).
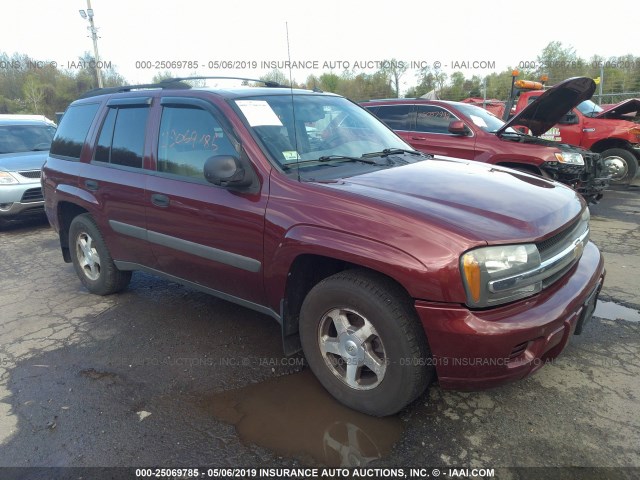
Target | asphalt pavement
(161,375)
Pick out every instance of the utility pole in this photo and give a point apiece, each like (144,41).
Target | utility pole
(601,81)
(484,92)
(88,15)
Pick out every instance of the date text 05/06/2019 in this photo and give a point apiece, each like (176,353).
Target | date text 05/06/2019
(243,64)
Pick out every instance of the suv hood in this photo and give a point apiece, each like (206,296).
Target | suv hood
(622,108)
(547,110)
(13,162)
(480,202)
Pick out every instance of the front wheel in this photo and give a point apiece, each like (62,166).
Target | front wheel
(362,339)
(621,164)
(92,260)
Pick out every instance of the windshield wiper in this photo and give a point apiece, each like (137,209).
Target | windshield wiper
(392,151)
(363,159)
(329,158)
(367,158)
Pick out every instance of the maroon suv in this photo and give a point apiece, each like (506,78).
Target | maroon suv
(385,266)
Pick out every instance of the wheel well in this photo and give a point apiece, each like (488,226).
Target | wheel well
(66,213)
(307,271)
(522,167)
(608,143)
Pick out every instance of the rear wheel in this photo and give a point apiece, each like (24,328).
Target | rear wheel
(621,164)
(92,260)
(362,339)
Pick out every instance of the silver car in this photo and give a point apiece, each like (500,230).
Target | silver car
(24,145)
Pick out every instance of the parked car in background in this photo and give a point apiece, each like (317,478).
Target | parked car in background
(611,131)
(463,130)
(382,264)
(24,144)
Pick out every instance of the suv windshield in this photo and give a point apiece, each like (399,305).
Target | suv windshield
(589,109)
(300,129)
(482,118)
(25,138)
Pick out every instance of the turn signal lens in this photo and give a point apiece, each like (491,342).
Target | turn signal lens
(472,274)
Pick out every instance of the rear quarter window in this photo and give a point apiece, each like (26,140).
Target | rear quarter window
(73,130)
(121,140)
(397,117)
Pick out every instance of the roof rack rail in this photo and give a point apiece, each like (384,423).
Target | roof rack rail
(170,83)
(267,83)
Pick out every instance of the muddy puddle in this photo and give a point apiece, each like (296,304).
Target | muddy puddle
(293,416)
(613,311)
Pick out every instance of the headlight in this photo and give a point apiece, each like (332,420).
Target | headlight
(493,275)
(571,158)
(7,179)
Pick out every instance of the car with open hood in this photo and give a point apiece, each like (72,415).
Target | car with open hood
(612,130)
(24,144)
(385,266)
(467,131)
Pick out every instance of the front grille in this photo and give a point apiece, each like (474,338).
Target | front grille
(32,195)
(30,173)
(560,242)
(551,246)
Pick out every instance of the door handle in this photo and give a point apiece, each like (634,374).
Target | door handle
(91,185)
(159,200)
(418,138)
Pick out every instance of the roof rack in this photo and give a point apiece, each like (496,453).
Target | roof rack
(267,83)
(171,83)
(393,99)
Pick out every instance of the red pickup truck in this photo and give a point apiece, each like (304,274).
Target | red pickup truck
(463,130)
(606,131)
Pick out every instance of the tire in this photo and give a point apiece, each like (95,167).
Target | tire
(92,260)
(621,164)
(381,336)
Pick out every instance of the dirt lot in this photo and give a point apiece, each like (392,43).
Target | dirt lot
(163,375)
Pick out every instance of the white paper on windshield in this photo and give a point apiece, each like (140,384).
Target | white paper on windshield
(258,113)
(291,156)
(479,121)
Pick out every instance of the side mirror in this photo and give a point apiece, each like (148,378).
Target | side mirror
(457,127)
(226,171)
(569,119)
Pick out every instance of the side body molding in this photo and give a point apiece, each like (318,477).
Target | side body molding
(210,253)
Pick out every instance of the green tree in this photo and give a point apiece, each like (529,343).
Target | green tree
(394,70)
(559,63)
(277,76)
(33,94)
(160,76)
(426,83)
(329,82)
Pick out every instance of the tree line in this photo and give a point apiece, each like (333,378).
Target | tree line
(29,86)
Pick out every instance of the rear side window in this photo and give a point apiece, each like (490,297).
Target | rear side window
(188,137)
(432,119)
(121,140)
(73,130)
(397,117)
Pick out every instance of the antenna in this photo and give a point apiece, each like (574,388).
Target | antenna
(293,107)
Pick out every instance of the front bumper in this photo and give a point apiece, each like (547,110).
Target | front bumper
(21,199)
(589,180)
(481,349)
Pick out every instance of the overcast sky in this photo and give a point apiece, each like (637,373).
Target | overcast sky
(323,31)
